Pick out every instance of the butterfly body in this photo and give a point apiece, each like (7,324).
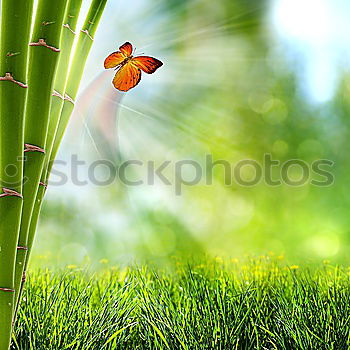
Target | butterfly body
(129,67)
(128,59)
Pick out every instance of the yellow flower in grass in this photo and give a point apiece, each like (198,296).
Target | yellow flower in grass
(72,267)
(200,266)
(275,270)
(123,275)
(104,261)
(294,267)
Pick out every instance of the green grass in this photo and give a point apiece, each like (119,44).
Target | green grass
(262,304)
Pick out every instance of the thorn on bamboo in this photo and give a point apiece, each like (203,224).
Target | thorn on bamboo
(43,184)
(87,33)
(70,16)
(22,248)
(6,192)
(69,28)
(9,77)
(7,290)
(46,23)
(11,54)
(43,43)
(31,148)
(68,98)
(57,94)
(24,277)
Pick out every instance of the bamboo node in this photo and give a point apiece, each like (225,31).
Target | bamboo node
(57,94)
(42,42)
(68,98)
(7,290)
(9,77)
(11,54)
(31,148)
(10,193)
(22,248)
(87,33)
(69,28)
(24,277)
(43,184)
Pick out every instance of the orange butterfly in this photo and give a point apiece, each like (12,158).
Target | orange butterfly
(129,67)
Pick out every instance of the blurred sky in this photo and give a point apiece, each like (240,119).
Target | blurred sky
(315,35)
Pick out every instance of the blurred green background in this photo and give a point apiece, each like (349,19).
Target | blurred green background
(241,78)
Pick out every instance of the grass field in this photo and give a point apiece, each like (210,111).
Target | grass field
(260,304)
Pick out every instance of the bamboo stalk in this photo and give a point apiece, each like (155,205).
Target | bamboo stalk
(76,70)
(43,58)
(66,45)
(67,41)
(15,29)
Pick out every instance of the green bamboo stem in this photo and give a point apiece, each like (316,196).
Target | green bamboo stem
(76,70)
(43,59)
(66,45)
(15,29)
(67,41)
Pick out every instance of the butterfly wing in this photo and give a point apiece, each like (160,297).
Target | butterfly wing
(114,60)
(118,57)
(148,64)
(126,49)
(127,77)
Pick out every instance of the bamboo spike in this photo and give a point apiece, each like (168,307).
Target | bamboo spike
(87,33)
(43,184)
(42,42)
(9,77)
(57,94)
(33,148)
(22,248)
(69,28)
(7,290)
(69,99)
(10,193)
